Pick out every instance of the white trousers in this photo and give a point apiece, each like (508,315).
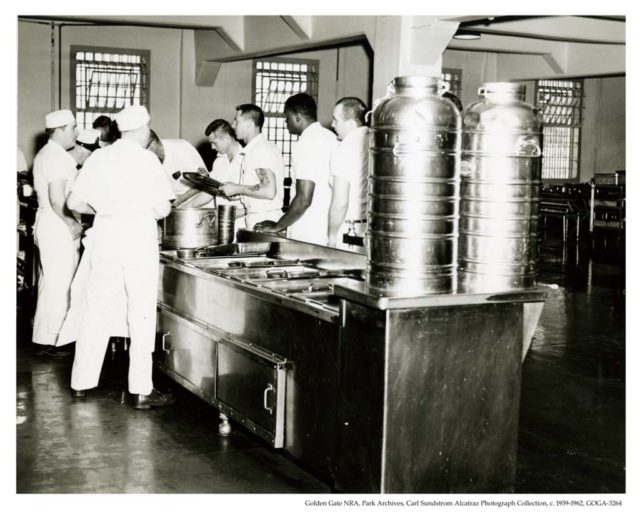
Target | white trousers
(122,258)
(59,254)
(78,302)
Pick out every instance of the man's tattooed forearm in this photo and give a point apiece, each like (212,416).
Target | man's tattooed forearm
(264,175)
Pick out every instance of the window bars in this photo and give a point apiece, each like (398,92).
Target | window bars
(105,81)
(452,81)
(274,81)
(560,103)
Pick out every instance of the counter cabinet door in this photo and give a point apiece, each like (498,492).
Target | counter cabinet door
(188,352)
(250,388)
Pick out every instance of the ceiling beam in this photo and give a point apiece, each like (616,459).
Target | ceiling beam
(301,25)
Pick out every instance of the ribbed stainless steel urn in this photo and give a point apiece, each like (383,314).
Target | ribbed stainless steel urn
(412,213)
(499,191)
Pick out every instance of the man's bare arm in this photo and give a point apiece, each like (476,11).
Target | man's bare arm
(266,189)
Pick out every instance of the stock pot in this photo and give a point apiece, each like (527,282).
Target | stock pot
(188,228)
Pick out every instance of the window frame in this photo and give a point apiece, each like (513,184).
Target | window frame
(145,88)
(457,74)
(312,63)
(575,128)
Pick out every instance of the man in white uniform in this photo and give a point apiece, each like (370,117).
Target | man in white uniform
(307,215)
(260,189)
(57,232)
(178,156)
(86,143)
(126,187)
(226,166)
(349,173)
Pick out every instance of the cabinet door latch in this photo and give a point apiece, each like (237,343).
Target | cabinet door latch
(166,342)
(265,401)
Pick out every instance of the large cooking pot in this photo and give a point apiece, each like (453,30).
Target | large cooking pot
(187,228)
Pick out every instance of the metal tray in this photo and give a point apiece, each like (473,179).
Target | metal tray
(287,272)
(240,262)
(302,286)
(244,249)
(201,182)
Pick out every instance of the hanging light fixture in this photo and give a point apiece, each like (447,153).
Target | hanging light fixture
(466,35)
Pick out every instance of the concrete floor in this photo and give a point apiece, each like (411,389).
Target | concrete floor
(572,419)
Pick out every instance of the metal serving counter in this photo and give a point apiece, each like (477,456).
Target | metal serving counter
(369,393)
(430,389)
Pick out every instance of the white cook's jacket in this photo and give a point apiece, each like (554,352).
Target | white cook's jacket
(123,183)
(180,156)
(59,252)
(310,158)
(261,153)
(350,161)
(224,170)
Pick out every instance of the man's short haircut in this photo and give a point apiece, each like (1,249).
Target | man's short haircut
(353,108)
(219,124)
(112,131)
(102,122)
(302,104)
(253,112)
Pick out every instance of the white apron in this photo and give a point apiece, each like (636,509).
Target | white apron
(78,303)
(124,255)
(59,254)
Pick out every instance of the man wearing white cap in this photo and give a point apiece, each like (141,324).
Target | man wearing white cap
(86,143)
(126,187)
(57,232)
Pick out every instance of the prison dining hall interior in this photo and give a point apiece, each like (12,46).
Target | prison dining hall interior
(464,333)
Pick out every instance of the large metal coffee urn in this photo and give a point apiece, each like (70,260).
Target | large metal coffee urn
(412,212)
(500,190)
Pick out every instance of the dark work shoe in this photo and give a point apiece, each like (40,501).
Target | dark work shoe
(78,393)
(153,399)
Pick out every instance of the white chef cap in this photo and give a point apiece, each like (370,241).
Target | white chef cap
(59,118)
(132,118)
(89,136)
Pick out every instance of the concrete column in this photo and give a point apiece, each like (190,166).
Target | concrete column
(408,45)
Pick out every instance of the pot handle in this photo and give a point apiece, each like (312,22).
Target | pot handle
(529,146)
(277,273)
(211,216)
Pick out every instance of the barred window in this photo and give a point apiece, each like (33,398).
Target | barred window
(560,103)
(105,80)
(274,80)
(452,81)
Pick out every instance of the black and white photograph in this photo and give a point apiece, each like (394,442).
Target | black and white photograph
(319,256)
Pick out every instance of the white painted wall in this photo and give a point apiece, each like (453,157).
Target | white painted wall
(34,86)
(178,107)
(603,131)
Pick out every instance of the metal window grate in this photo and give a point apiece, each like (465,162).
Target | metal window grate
(105,81)
(451,80)
(274,81)
(560,103)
